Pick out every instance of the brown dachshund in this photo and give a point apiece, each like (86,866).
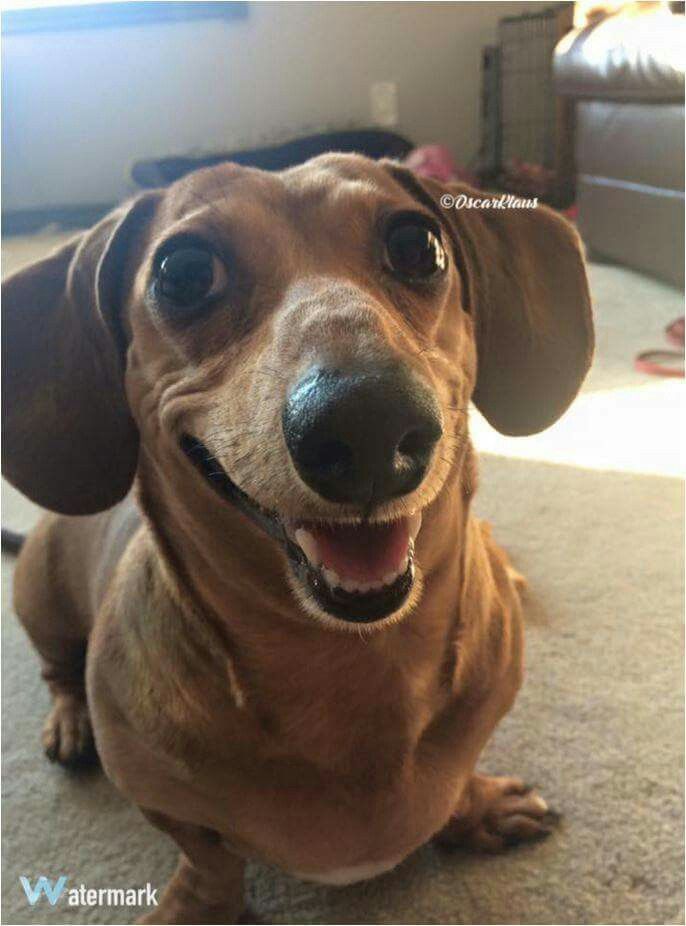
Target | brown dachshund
(294,640)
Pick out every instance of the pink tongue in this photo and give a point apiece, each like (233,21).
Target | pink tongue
(365,553)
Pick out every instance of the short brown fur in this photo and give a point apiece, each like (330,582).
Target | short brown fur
(242,722)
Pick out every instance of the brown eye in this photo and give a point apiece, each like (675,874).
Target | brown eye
(413,250)
(188,275)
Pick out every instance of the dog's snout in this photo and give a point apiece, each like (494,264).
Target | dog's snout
(361,437)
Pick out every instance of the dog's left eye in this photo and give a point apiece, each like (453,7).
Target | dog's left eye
(414,250)
(188,275)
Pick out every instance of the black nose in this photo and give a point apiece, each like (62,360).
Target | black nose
(362,437)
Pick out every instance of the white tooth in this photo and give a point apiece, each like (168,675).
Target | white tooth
(349,585)
(361,587)
(308,545)
(390,578)
(331,577)
(415,524)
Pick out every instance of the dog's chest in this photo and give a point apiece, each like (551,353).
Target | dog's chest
(323,827)
(351,709)
(342,795)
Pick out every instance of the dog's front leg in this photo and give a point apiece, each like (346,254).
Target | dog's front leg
(207,886)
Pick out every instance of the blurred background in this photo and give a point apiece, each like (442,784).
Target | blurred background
(100,99)
(579,104)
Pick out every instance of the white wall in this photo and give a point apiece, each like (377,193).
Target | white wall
(79,107)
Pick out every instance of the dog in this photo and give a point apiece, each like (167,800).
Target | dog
(291,640)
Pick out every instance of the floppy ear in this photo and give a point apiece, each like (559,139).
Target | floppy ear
(525,285)
(68,439)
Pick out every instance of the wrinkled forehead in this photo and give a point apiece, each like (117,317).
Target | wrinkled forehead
(327,186)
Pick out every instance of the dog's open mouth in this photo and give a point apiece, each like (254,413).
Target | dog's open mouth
(360,573)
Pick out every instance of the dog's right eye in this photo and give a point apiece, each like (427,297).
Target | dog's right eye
(414,251)
(188,275)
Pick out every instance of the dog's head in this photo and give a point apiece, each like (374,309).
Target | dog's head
(305,342)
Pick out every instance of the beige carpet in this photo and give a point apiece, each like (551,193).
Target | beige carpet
(592,512)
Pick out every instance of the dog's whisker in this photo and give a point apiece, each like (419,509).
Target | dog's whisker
(266,371)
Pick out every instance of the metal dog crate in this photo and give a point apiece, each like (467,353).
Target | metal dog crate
(526,130)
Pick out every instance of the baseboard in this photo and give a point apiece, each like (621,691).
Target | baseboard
(26,221)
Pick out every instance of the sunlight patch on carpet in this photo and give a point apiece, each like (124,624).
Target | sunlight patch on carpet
(635,429)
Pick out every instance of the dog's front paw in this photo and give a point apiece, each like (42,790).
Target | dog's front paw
(496,813)
(67,734)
